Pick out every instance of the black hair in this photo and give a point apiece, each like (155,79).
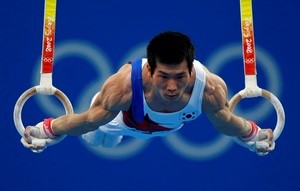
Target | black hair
(170,48)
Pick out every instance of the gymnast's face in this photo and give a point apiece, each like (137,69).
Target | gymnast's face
(171,81)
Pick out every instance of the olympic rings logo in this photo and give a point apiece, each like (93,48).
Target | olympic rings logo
(249,61)
(184,148)
(47,59)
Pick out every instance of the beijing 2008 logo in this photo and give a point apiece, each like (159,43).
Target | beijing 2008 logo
(187,149)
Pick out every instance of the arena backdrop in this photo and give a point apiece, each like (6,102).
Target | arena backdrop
(93,39)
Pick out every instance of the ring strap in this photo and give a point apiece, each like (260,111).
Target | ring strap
(48,36)
(248,37)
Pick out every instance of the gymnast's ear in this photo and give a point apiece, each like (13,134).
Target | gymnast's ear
(148,69)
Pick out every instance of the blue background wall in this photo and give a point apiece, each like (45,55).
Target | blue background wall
(93,39)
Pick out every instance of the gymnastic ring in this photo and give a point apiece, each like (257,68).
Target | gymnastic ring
(245,93)
(25,96)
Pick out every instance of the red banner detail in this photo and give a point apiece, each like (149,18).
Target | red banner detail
(248,48)
(48,45)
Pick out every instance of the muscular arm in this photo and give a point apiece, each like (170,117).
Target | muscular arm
(216,106)
(114,97)
(76,124)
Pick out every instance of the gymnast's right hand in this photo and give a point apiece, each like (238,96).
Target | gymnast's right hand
(38,137)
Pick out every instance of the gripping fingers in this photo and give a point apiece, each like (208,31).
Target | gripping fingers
(26,139)
(271,147)
(263,147)
(32,132)
(266,135)
(25,142)
(37,145)
(33,139)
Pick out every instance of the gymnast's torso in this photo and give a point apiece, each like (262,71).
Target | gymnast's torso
(142,117)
